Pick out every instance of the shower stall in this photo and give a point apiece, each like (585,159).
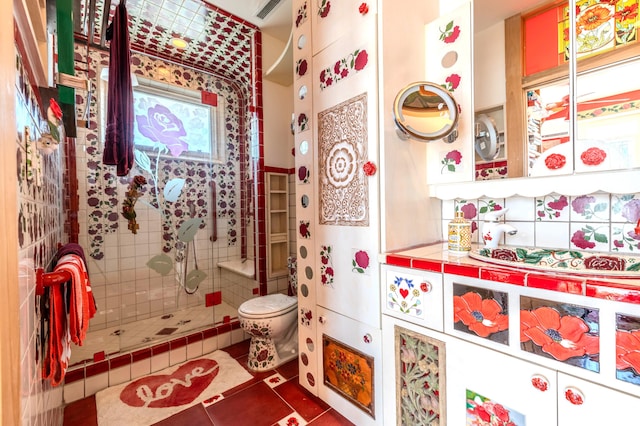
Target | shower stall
(155,239)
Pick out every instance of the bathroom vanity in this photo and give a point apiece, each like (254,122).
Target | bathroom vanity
(549,348)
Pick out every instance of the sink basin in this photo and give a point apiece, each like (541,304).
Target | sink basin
(572,261)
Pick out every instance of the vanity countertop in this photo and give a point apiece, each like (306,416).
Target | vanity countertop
(436,258)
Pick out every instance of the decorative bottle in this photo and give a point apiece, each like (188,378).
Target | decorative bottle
(459,235)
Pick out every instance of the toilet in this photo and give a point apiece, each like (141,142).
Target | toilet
(272,322)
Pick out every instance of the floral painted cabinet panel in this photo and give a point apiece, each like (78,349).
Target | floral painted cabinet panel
(413,295)
(485,387)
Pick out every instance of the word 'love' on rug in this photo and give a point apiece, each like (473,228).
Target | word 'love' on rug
(152,398)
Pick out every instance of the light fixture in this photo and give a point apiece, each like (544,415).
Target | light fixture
(179,43)
(163,72)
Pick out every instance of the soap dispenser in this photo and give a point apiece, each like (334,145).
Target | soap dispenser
(459,235)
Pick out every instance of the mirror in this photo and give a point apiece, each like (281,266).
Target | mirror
(541,139)
(425,112)
(486,136)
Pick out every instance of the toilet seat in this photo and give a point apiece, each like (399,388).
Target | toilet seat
(268,306)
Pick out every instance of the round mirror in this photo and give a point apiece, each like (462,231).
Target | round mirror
(302,92)
(426,112)
(486,136)
(304,147)
(302,40)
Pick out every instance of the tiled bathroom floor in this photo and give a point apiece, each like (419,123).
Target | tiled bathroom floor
(253,403)
(150,331)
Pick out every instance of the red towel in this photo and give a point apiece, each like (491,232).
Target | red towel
(59,349)
(81,304)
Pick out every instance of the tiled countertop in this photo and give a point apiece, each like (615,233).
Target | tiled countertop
(436,258)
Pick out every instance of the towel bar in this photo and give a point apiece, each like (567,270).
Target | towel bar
(48,279)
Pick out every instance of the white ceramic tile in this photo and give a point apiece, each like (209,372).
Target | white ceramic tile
(274,380)
(73,391)
(96,383)
(210,344)
(520,208)
(194,350)
(590,236)
(293,419)
(119,375)
(590,208)
(552,234)
(159,361)
(140,368)
(448,209)
(178,355)
(237,336)
(552,207)
(525,237)
(224,340)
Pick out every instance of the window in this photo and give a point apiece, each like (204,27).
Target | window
(178,122)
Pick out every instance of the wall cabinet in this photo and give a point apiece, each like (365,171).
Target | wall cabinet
(277,224)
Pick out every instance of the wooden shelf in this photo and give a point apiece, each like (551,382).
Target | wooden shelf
(277,224)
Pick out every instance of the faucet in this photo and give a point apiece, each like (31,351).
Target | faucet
(492,230)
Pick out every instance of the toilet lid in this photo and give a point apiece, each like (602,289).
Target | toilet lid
(268,305)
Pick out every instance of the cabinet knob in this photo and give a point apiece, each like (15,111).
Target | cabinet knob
(574,396)
(540,382)
(322,320)
(367,338)
(426,286)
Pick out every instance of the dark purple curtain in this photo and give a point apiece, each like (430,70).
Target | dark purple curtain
(118,140)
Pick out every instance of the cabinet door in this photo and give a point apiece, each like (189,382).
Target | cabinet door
(585,403)
(349,355)
(483,384)
(413,295)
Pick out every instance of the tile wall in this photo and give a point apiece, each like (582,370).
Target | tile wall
(40,230)
(596,222)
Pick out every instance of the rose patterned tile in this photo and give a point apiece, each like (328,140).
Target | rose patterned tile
(590,236)
(624,238)
(592,208)
(552,207)
(625,208)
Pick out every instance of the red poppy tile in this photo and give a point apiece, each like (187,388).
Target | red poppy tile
(565,332)
(481,312)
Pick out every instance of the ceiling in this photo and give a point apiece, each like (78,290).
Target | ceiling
(219,32)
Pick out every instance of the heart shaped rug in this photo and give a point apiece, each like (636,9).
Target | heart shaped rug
(154,397)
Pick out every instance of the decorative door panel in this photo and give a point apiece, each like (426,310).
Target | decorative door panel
(347,190)
(414,370)
(333,19)
(449,36)
(413,295)
(487,386)
(350,367)
(585,403)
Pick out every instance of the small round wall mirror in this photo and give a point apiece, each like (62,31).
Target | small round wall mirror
(486,136)
(426,112)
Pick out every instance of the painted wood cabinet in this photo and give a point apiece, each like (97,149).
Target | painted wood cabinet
(535,356)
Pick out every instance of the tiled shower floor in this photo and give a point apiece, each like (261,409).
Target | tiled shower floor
(254,403)
(149,331)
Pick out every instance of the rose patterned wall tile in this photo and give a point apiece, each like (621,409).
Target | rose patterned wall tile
(481,312)
(565,332)
(593,207)
(590,236)
(360,262)
(552,207)
(421,368)
(628,348)
(326,266)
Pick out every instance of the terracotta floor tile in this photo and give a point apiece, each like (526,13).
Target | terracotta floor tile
(306,404)
(331,418)
(81,412)
(238,349)
(196,415)
(257,405)
(289,369)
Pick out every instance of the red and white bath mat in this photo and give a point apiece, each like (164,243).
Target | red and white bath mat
(151,398)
